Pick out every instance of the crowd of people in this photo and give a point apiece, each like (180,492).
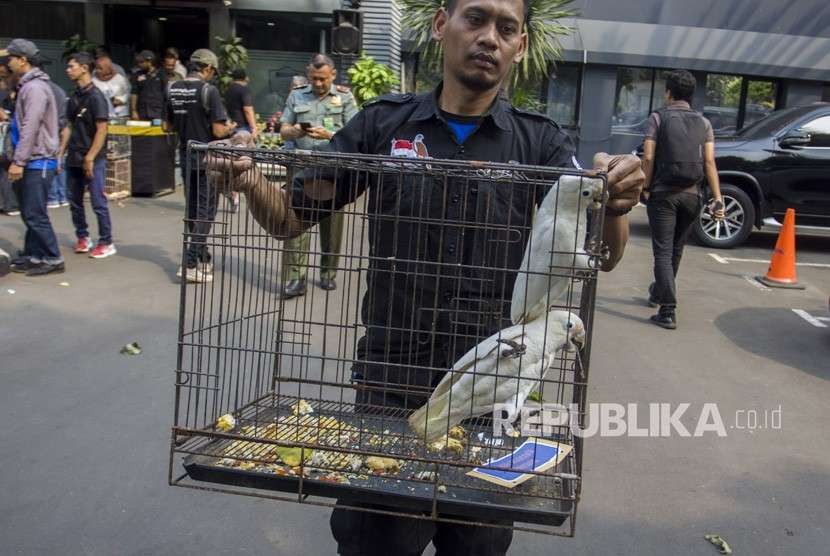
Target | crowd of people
(54,144)
(57,153)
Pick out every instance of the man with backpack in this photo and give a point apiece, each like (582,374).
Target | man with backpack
(678,154)
(194,110)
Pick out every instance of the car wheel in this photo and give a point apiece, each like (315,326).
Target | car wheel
(735,227)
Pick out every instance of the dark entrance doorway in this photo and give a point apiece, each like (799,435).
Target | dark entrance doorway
(130,29)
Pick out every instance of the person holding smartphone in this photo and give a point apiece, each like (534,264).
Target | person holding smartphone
(313,114)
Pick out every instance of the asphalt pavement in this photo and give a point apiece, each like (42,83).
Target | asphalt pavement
(85,430)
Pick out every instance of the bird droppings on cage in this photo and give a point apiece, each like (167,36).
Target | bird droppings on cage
(463,290)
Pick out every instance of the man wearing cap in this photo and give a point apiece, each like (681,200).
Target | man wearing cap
(313,114)
(35,140)
(194,110)
(149,88)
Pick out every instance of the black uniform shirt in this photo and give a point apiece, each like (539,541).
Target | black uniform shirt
(238,97)
(192,107)
(443,260)
(85,109)
(150,88)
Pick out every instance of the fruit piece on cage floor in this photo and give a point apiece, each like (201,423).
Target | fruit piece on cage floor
(302,407)
(378,464)
(293,456)
(226,422)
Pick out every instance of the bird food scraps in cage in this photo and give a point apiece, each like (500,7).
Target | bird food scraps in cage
(469,287)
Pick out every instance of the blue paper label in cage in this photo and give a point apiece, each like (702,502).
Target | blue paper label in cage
(534,455)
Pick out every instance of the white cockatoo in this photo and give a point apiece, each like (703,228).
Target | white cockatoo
(556,241)
(520,355)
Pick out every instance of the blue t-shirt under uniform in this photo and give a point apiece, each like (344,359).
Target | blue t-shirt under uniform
(461,126)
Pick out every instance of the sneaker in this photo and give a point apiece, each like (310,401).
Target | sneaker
(83,245)
(666,318)
(103,250)
(195,275)
(64,203)
(20,265)
(41,269)
(53,205)
(328,284)
(12,213)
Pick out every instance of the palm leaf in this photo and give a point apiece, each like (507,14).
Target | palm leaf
(544,32)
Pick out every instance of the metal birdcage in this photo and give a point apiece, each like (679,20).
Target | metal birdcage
(308,399)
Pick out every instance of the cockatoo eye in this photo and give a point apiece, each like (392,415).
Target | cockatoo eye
(570,325)
(585,193)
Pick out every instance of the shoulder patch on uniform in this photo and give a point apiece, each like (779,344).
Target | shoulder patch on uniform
(393,98)
(343,89)
(535,115)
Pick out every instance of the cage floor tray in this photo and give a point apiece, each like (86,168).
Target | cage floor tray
(342,439)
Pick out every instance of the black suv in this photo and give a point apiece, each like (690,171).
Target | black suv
(779,162)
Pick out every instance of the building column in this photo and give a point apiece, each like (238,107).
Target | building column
(382,32)
(699,98)
(220,24)
(596,110)
(94,22)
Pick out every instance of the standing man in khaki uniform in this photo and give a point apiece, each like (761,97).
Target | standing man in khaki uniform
(312,115)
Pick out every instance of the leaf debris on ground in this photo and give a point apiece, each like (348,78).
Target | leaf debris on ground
(131,349)
(720,542)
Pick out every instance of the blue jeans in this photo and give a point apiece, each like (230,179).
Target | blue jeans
(8,200)
(78,182)
(40,244)
(57,191)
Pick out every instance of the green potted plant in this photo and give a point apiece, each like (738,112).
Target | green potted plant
(77,43)
(232,55)
(370,79)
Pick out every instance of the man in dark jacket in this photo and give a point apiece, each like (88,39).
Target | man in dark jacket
(466,118)
(35,127)
(149,88)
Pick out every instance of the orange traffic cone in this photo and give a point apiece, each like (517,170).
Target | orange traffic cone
(781,273)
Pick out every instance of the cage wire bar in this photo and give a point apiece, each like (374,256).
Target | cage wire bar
(307,399)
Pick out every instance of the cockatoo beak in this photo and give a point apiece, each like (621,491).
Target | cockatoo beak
(577,340)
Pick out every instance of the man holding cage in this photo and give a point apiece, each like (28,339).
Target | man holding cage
(467,118)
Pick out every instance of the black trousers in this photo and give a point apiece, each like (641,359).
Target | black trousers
(371,534)
(671,217)
(202,201)
(360,533)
